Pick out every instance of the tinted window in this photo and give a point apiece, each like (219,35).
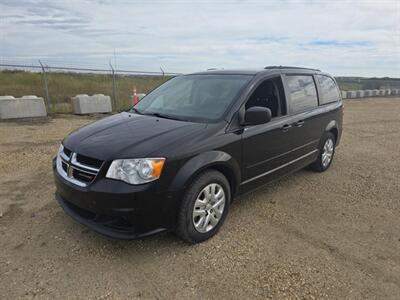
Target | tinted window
(194,97)
(302,92)
(329,91)
(269,94)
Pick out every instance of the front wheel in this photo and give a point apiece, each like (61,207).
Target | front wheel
(326,153)
(204,207)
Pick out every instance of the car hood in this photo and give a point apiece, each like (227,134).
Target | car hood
(128,135)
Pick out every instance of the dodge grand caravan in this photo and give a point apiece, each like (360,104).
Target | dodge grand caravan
(176,160)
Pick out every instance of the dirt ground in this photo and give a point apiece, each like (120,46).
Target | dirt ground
(307,236)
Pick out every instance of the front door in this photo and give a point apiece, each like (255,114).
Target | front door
(267,146)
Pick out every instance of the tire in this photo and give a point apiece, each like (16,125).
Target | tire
(193,208)
(321,165)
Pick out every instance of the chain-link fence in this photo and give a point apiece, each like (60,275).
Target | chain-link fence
(57,84)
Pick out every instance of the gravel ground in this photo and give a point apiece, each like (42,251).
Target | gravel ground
(306,236)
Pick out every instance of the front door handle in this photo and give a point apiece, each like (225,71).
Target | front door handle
(286,127)
(299,123)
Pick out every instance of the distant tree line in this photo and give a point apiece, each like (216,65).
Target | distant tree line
(361,83)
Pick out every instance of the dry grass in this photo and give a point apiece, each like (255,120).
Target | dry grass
(62,86)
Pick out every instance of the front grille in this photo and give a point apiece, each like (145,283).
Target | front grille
(89,161)
(64,166)
(67,152)
(78,169)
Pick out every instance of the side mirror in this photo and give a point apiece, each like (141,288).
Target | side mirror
(257,115)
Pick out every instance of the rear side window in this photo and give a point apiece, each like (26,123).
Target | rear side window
(302,92)
(329,90)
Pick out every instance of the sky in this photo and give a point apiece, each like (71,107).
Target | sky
(344,38)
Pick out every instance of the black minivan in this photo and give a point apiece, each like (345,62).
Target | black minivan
(176,160)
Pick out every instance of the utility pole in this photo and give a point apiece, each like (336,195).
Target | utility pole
(46,89)
(162,71)
(113,86)
(115,60)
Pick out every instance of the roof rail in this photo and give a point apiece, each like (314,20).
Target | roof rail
(288,67)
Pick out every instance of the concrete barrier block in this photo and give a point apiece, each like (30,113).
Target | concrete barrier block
(24,107)
(351,94)
(387,92)
(344,94)
(381,93)
(360,94)
(375,93)
(84,104)
(368,93)
(28,96)
(6,97)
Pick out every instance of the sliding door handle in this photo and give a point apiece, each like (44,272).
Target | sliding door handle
(286,127)
(299,123)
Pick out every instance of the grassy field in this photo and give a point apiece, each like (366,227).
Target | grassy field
(63,86)
(358,83)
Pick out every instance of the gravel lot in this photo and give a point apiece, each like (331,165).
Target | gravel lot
(307,236)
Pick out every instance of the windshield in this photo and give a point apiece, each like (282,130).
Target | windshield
(193,97)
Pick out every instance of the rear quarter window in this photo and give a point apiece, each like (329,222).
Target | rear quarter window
(302,92)
(329,90)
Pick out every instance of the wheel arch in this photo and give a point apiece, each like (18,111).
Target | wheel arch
(211,160)
(333,127)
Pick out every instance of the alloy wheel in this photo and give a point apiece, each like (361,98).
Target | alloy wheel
(208,207)
(327,152)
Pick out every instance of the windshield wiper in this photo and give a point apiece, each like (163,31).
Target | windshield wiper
(156,114)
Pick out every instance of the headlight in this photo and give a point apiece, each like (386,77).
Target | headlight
(136,171)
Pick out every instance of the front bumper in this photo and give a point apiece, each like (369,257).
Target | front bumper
(116,209)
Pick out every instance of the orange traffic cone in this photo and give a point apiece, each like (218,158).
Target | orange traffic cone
(135,97)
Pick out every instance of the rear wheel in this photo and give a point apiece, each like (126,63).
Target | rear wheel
(326,153)
(204,207)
